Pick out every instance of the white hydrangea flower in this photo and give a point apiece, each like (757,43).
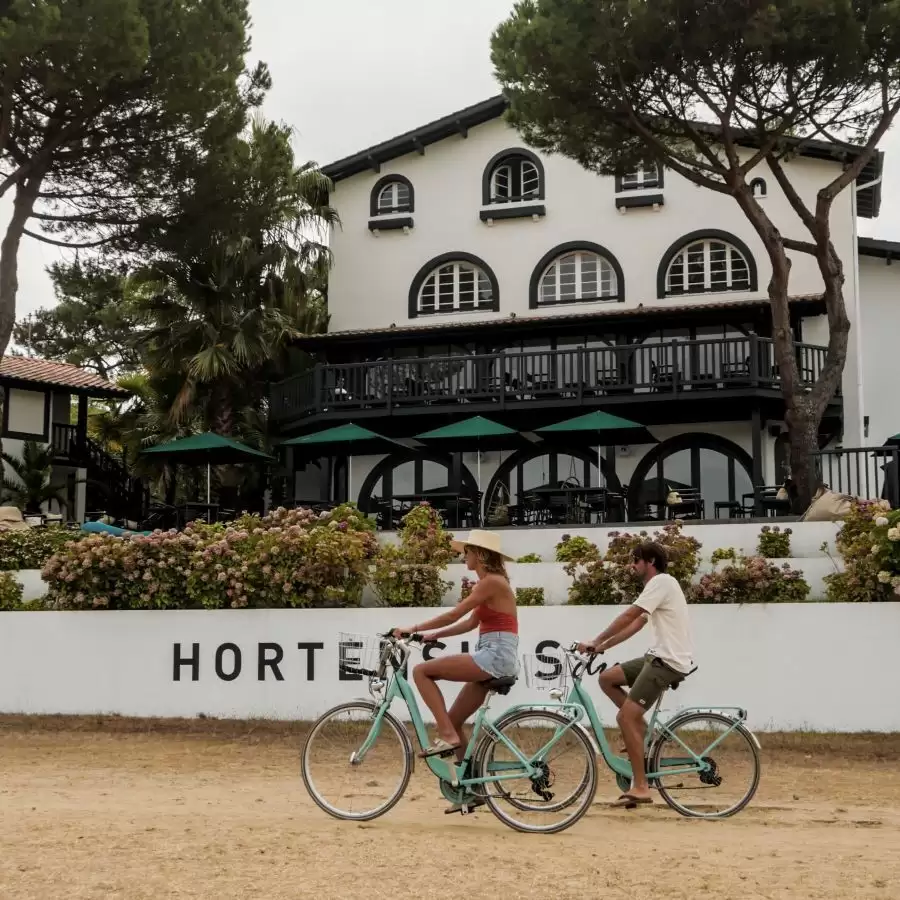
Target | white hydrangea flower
(884,577)
(893,534)
(881,521)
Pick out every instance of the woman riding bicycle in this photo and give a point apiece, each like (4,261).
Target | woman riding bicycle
(491,607)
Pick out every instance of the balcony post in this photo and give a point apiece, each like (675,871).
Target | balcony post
(756,439)
(390,384)
(579,375)
(318,380)
(501,377)
(754,359)
(81,423)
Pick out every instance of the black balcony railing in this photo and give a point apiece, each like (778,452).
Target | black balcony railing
(513,377)
(870,473)
(64,441)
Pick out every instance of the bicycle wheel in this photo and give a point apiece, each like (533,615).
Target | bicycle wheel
(732,771)
(535,802)
(568,770)
(339,781)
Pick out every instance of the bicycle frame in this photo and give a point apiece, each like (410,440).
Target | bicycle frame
(449,770)
(655,731)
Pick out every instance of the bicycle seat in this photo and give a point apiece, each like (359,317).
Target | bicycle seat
(674,686)
(500,685)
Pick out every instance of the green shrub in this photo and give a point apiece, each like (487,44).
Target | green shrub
(529,558)
(774,543)
(32,548)
(751,580)
(10,592)
(531,596)
(576,550)
(722,554)
(410,574)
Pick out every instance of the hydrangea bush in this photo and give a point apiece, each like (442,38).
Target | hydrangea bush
(751,579)
(410,574)
(867,543)
(10,592)
(611,580)
(31,548)
(576,550)
(774,543)
(287,559)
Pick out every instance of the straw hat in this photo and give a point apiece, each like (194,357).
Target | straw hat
(486,540)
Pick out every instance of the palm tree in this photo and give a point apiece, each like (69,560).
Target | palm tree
(224,310)
(30,489)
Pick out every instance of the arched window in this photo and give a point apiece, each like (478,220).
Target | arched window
(513,176)
(576,273)
(391,195)
(718,468)
(454,282)
(706,262)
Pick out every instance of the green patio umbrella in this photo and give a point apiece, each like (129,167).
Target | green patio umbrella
(608,429)
(478,432)
(344,439)
(209,448)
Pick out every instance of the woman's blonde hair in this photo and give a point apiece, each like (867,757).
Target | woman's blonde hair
(491,562)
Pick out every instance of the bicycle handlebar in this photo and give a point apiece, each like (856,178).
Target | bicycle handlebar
(584,661)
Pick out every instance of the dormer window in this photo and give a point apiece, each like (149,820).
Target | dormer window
(513,176)
(392,195)
(645,177)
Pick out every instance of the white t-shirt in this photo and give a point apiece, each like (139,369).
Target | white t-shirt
(663,599)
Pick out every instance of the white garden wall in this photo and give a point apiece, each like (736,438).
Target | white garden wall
(791,666)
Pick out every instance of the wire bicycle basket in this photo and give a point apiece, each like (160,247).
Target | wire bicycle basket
(545,672)
(362,654)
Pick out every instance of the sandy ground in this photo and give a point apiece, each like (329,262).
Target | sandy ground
(138,811)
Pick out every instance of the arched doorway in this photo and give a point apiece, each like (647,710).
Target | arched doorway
(535,467)
(720,469)
(404,473)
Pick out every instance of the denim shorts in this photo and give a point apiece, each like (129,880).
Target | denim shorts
(497,653)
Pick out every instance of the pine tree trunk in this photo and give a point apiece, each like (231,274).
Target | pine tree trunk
(23,205)
(803,431)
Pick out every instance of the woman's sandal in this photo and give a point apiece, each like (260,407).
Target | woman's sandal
(629,801)
(439,748)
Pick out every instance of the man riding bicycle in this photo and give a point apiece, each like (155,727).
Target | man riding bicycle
(663,604)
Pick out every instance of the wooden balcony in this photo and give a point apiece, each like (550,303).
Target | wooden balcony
(636,373)
(65,443)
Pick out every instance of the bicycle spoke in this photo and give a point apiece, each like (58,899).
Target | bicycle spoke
(730,774)
(562,788)
(346,783)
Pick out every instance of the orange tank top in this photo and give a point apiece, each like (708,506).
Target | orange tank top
(493,620)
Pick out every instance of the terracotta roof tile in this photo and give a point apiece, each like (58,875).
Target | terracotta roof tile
(613,311)
(56,374)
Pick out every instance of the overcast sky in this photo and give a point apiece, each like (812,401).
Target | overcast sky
(350,73)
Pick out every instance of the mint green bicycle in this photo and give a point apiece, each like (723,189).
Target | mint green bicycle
(358,758)
(703,761)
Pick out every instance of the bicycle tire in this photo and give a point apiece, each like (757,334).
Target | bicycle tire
(680,721)
(408,762)
(585,797)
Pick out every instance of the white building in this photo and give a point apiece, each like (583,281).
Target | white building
(475,276)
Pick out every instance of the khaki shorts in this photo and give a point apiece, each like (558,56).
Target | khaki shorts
(648,678)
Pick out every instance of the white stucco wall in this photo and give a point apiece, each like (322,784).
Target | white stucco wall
(880,292)
(369,285)
(767,659)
